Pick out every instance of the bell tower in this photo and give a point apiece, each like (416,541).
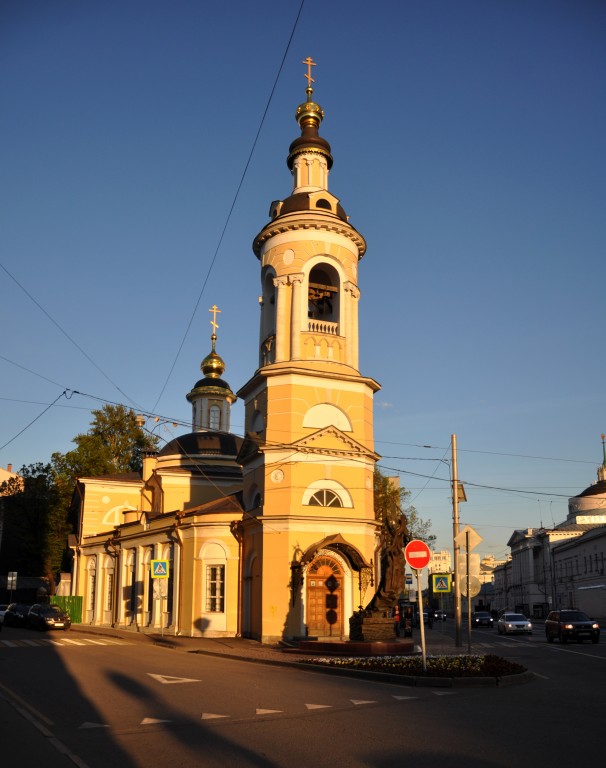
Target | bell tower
(308,457)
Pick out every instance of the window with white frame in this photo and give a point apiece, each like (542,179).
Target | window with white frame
(214,417)
(215,588)
(92,581)
(325,498)
(110,592)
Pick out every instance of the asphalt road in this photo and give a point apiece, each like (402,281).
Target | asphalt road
(95,703)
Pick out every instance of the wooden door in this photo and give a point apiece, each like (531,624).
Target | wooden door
(324,598)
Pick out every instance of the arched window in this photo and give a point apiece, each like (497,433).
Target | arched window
(214,417)
(323,294)
(325,498)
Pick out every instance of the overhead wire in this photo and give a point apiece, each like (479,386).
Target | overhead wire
(66,334)
(231,208)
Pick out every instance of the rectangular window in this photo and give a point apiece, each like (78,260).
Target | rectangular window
(215,588)
(110,592)
(91,590)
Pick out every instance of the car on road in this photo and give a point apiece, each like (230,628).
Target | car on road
(514,623)
(44,616)
(570,624)
(439,615)
(482,619)
(3,607)
(16,615)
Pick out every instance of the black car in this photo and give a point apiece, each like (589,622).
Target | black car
(44,616)
(16,615)
(482,619)
(571,624)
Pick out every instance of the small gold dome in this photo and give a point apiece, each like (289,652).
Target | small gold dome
(309,113)
(212,365)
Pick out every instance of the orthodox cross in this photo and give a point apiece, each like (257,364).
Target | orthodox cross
(215,310)
(310,63)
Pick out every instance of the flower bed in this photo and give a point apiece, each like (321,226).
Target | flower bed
(436,666)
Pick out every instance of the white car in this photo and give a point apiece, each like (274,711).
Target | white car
(3,607)
(514,623)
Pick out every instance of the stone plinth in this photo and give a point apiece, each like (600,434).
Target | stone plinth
(371,629)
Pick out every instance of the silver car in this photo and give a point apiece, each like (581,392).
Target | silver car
(514,623)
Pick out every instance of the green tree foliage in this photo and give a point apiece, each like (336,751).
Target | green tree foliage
(36,506)
(390,501)
(35,528)
(114,444)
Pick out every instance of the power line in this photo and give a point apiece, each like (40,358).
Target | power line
(65,333)
(231,209)
(34,420)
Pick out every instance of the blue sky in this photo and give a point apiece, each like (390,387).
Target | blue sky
(468,140)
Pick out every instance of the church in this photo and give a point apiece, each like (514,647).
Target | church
(272,535)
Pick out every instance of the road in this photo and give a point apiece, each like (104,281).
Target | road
(101,703)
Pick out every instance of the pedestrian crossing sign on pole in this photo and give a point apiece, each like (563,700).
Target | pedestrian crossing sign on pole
(441,582)
(159,569)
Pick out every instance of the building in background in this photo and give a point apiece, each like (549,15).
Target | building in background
(561,567)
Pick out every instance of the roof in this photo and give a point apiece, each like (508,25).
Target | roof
(597,489)
(203,443)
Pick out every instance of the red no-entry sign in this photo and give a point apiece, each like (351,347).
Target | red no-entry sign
(417,554)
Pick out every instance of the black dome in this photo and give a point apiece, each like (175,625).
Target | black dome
(200,443)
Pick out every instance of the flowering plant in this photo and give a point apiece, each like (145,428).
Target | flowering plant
(436,666)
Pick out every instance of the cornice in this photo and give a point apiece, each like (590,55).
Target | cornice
(296,222)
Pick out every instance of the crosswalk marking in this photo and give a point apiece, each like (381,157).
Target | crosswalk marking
(45,642)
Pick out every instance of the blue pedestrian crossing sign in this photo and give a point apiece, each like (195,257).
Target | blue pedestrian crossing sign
(441,582)
(159,569)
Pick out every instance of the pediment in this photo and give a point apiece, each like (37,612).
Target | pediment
(332,440)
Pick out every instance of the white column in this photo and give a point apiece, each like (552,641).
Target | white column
(295,320)
(350,331)
(99,590)
(281,284)
(355,339)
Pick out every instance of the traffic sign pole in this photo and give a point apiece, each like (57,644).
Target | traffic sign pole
(423,652)
(417,554)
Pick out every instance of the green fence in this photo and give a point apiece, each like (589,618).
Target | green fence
(70,603)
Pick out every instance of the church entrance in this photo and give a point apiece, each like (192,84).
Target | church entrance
(324,598)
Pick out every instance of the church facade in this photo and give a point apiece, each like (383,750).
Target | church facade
(271,535)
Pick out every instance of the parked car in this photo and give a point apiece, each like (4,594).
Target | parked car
(16,615)
(571,625)
(44,616)
(3,607)
(482,619)
(512,623)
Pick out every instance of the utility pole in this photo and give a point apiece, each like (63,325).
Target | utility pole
(456,547)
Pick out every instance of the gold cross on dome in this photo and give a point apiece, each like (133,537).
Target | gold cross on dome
(310,63)
(215,310)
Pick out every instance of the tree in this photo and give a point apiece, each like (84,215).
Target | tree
(390,504)
(35,527)
(36,505)
(114,444)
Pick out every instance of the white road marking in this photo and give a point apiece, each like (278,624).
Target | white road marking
(268,711)
(210,716)
(170,680)
(361,701)
(318,706)
(152,721)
